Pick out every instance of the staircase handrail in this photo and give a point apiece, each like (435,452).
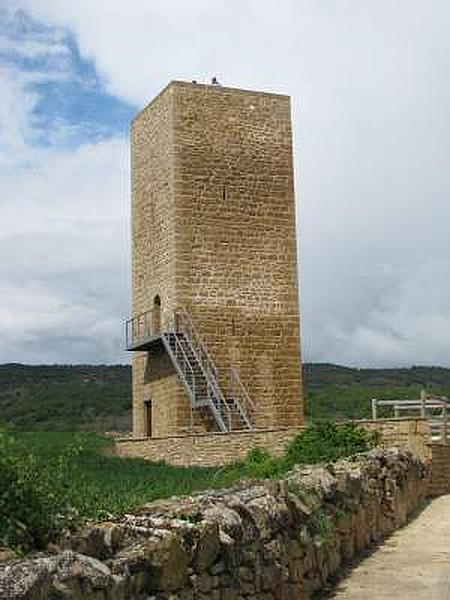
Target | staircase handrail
(196,340)
(217,393)
(139,327)
(186,361)
(243,395)
(184,324)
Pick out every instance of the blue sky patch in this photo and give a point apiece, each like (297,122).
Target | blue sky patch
(68,113)
(71,104)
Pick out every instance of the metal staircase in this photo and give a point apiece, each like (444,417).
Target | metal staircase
(199,374)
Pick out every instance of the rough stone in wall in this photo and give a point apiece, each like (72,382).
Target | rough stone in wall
(440,469)
(258,540)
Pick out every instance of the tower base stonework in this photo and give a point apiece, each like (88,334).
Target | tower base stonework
(206,449)
(215,326)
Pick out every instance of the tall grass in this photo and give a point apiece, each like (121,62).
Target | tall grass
(110,484)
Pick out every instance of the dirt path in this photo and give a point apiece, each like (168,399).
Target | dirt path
(413,564)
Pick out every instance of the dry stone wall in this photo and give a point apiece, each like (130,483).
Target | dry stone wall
(440,469)
(263,540)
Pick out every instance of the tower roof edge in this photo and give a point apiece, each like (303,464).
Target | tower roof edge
(210,87)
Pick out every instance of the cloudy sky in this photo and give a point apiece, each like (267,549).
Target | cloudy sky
(370,85)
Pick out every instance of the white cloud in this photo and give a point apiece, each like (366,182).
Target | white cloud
(64,231)
(409,323)
(15,107)
(370,97)
(63,227)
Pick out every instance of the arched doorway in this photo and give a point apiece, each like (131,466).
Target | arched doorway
(156,316)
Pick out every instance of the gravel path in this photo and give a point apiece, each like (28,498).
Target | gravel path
(413,564)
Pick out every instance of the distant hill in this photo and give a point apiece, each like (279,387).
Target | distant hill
(98,397)
(66,397)
(341,392)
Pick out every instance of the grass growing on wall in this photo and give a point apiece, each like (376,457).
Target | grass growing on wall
(50,481)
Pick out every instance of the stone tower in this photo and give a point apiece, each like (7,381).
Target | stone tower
(215,326)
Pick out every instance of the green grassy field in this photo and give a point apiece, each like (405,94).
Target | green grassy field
(102,484)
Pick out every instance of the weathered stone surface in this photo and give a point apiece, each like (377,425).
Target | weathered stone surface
(6,554)
(67,575)
(207,547)
(255,540)
(159,563)
(100,541)
(228,520)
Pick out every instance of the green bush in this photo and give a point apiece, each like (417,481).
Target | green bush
(260,464)
(316,443)
(328,441)
(34,498)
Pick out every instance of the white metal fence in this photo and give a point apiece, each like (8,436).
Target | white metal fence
(433,408)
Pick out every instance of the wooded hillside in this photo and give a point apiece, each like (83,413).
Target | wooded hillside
(98,397)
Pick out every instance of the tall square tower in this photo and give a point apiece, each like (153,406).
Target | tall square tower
(215,325)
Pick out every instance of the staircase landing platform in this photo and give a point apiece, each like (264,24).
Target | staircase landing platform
(143,344)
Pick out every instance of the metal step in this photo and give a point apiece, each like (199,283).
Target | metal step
(199,376)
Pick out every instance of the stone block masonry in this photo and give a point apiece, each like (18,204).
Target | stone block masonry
(207,449)
(269,540)
(404,432)
(214,231)
(440,469)
(212,449)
